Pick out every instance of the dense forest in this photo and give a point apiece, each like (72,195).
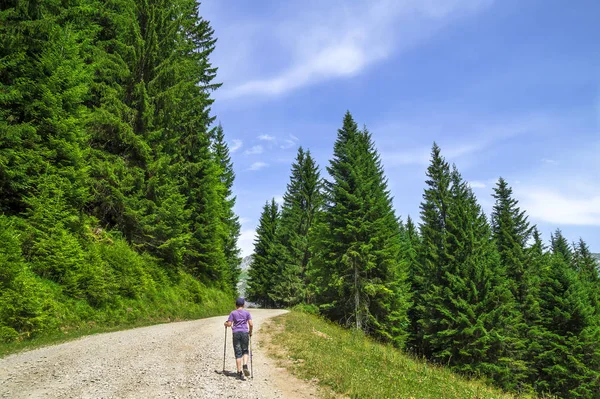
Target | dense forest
(115,183)
(482,295)
(116,206)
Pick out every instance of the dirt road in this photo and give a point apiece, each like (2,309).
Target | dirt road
(176,360)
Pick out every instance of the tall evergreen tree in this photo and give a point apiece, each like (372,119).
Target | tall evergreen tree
(434,209)
(301,202)
(511,232)
(231,225)
(359,248)
(468,308)
(560,246)
(264,264)
(585,264)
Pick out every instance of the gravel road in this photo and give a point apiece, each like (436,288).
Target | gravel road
(176,360)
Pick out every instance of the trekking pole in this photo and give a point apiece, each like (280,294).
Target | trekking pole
(251,368)
(224,348)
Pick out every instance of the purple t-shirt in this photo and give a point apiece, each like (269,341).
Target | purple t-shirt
(239,318)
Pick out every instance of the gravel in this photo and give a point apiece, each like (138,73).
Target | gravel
(175,360)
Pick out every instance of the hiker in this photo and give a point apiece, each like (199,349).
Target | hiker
(240,321)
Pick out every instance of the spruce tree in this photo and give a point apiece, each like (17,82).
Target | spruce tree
(468,308)
(231,225)
(359,246)
(301,202)
(560,246)
(585,264)
(264,264)
(511,232)
(434,209)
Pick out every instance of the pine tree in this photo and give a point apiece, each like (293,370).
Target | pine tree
(359,247)
(264,265)
(230,221)
(434,209)
(585,264)
(416,278)
(301,202)
(560,246)
(511,232)
(468,308)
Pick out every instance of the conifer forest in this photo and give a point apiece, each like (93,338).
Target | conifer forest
(117,206)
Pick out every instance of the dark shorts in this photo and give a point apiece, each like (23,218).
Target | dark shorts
(240,344)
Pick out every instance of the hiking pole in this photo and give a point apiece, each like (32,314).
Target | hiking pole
(224,349)
(251,368)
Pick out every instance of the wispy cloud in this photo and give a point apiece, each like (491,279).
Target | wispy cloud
(258,166)
(550,205)
(475,138)
(266,137)
(279,199)
(341,41)
(235,145)
(257,149)
(477,184)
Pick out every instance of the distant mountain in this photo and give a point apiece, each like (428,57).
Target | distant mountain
(242,282)
(246,260)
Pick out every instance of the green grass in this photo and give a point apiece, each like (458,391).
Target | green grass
(351,364)
(167,307)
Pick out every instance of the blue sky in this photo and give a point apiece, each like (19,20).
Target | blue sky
(506,88)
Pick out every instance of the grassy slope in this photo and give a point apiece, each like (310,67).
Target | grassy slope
(353,365)
(220,305)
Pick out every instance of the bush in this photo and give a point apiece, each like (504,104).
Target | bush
(8,335)
(11,259)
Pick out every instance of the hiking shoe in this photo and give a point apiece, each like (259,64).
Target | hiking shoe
(246,371)
(241,376)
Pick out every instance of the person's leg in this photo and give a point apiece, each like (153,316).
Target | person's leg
(245,340)
(238,349)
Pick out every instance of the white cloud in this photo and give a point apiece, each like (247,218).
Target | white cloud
(266,137)
(257,149)
(478,137)
(258,166)
(552,206)
(323,40)
(246,242)
(235,145)
(287,144)
(279,199)
(477,184)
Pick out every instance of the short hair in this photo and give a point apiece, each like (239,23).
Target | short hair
(240,302)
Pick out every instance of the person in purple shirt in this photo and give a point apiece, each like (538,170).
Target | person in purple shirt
(240,321)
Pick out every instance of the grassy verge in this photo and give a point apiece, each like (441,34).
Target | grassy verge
(167,307)
(351,364)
